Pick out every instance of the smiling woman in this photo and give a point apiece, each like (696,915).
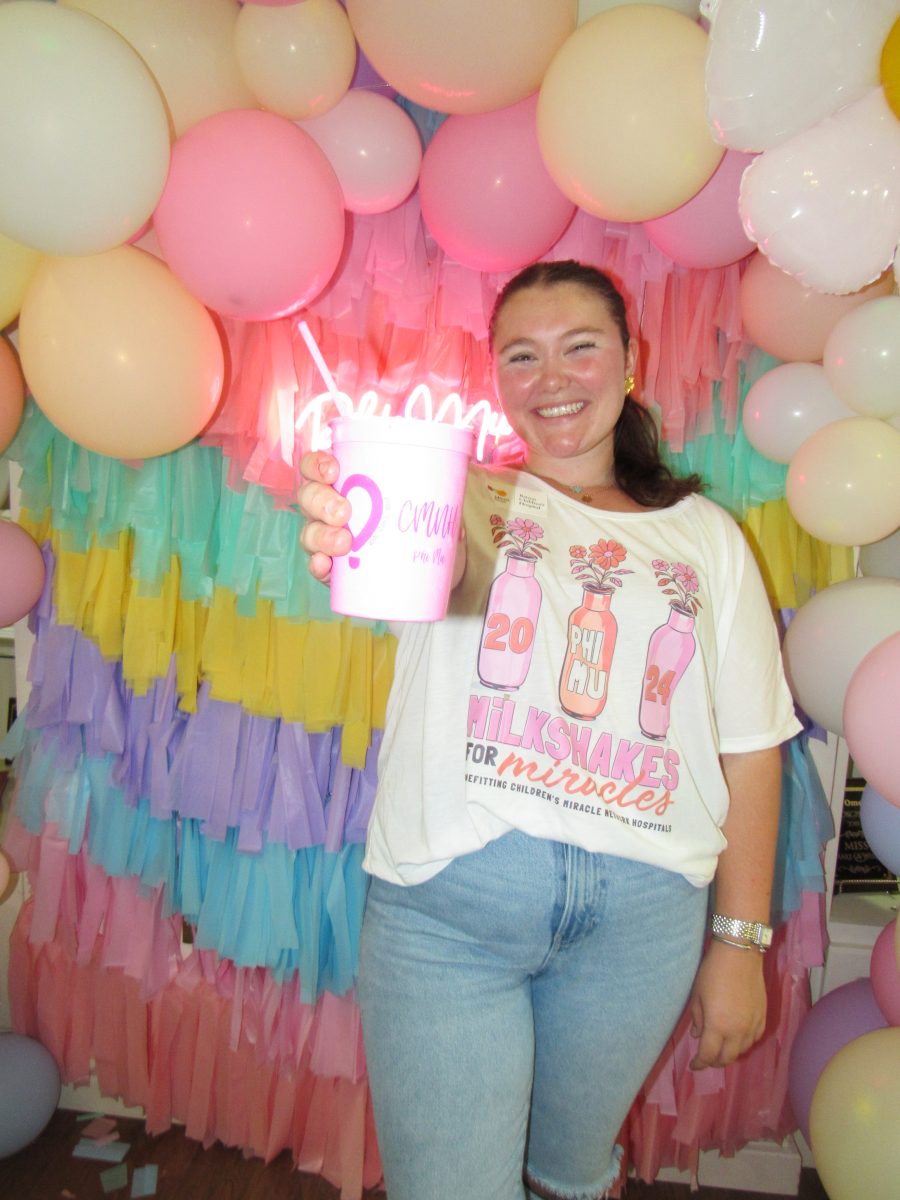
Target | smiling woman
(570,758)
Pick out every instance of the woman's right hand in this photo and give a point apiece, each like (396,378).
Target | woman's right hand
(325,533)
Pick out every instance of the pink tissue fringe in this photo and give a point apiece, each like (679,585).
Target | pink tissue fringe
(399,313)
(239,1059)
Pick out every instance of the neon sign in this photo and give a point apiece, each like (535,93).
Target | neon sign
(315,414)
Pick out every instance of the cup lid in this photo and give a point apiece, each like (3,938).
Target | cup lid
(408,431)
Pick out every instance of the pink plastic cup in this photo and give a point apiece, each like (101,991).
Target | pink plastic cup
(405,480)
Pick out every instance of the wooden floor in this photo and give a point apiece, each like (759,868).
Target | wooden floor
(46,1170)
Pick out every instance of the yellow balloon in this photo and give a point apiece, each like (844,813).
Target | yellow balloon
(118,354)
(843,484)
(621,116)
(462,56)
(853,1119)
(297,60)
(17,265)
(890,68)
(188,46)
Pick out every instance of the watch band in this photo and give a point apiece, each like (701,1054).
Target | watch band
(751,933)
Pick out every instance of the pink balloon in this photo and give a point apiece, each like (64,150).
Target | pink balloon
(707,230)
(374,147)
(884,971)
(21,572)
(487,198)
(872,718)
(252,218)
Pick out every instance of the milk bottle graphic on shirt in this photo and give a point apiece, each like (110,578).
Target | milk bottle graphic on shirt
(513,605)
(670,649)
(592,630)
(591,640)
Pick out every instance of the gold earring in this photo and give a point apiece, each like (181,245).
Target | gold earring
(629,384)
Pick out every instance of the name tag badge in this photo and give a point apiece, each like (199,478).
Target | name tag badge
(529,502)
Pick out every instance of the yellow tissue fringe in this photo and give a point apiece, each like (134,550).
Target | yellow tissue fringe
(322,674)
(793,563)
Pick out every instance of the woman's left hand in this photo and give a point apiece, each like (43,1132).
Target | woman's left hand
(728,1004)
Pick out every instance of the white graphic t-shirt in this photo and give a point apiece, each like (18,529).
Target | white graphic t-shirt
(591,669)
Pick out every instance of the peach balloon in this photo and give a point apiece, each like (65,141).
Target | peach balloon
(466,56)
(12,394)
(621,118)
(118,354)
(189,48)
(298,60)
(791,321)
(17,265)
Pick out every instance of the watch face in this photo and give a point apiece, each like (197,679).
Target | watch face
(765,935)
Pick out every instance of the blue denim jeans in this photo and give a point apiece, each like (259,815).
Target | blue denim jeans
(512,1007)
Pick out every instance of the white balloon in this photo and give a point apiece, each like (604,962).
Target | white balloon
(776,68)
(830,636)
(590,8)
(862,358)
(825,205)
(84,135)
(786,406)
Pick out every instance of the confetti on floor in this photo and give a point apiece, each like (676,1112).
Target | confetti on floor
(110,1152)
(100,1127)
(114,1179)
(143,1181)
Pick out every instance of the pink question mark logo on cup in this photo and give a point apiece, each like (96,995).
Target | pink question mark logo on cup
(414,475)
(376,508)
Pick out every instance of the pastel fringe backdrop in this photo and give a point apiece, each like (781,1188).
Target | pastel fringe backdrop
(195,767)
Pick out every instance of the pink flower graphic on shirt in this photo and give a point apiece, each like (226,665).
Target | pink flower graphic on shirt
(523,534)
(678,580)
(600,565)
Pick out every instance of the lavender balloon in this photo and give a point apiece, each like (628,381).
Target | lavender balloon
(836,1019)
(29,1091)
(880,820)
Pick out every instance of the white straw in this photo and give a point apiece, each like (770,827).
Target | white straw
(316,353)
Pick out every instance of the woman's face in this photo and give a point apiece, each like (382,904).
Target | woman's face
(560,368)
